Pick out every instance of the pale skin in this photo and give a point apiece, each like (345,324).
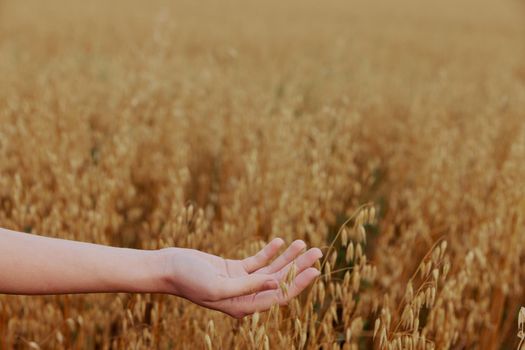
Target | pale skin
(36,265)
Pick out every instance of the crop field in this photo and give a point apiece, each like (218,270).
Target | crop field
(390,134)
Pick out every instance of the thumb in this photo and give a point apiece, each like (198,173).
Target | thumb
(239,286)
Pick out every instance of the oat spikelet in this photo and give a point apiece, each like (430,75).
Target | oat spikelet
(361,233)
(284,288)
(372,214)
(207,341)
(376,327)
(255,320)
(349,252)
(33,345)
(344,237)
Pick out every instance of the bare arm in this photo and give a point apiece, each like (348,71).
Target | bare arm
(32,264)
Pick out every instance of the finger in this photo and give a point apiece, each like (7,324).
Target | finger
(245,285)
(285,258)
(303,262)
(303,280)
(264,300)
(263,257)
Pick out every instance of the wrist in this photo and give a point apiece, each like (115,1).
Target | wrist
(165,275)
(147,273)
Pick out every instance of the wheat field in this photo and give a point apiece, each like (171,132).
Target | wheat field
(218,125)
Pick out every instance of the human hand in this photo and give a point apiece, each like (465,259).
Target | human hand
(239,287)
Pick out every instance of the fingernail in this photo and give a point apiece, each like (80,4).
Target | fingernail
(271,284)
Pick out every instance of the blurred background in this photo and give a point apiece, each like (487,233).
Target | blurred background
(272,118)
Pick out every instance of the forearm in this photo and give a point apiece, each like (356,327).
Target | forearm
(31,264)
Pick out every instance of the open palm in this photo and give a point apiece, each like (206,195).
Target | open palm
(241,287)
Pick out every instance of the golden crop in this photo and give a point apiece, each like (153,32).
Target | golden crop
(218,125)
